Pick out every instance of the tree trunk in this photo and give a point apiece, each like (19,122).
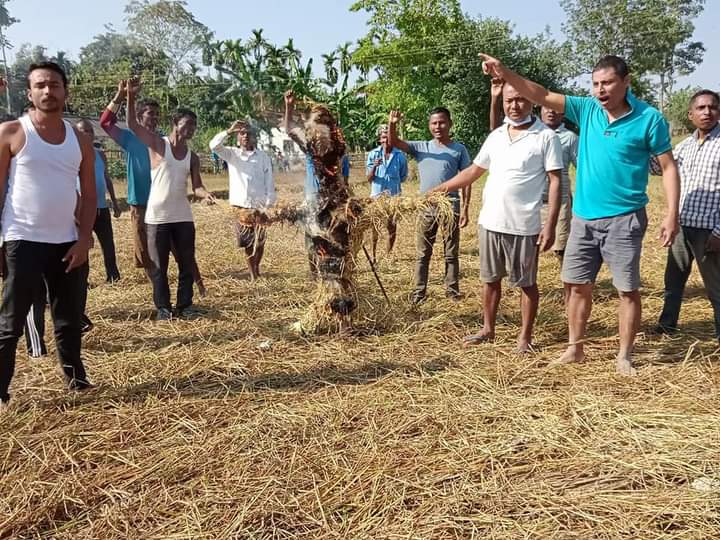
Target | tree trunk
(662,93)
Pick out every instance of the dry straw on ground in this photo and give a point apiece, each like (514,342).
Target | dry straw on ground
(229,427)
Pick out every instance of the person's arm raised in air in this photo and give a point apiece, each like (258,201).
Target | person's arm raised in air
(87,207)
(197,184)
(150,139)
(108,118)
(109,185)
(496,109)
(671,185)
(291,128)
(217,143)
(526,88)
(460,180)
(393,139)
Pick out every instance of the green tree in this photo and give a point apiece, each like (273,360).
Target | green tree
(425,54)
(403,48)
(109,57)
(111,47)
(331,72)
(654,36)
(677,110)
(26,54)
(466,89)
(256,73)
(167,26)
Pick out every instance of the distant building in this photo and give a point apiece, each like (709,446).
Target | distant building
(279,140)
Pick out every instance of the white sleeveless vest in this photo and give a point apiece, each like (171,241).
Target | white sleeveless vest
(168,201)
(41,197)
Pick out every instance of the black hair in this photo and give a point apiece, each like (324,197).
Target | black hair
(183,113)
(614,62)
(144,105)
(441,110)
(705,92)
(50,66)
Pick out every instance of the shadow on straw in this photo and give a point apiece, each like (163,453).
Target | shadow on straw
(213,387)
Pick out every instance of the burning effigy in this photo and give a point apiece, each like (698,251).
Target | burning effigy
(335,224)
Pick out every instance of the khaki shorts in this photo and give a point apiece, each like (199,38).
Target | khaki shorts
(508,255)
(247,233)
(137,218)
(562,229)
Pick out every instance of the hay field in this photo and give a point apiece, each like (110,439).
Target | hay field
(198,432)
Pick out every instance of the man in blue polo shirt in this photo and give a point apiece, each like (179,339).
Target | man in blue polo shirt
(618,136)
(386,170)
(438,159)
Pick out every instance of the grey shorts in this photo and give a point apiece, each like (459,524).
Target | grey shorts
(508,255)
(617,241)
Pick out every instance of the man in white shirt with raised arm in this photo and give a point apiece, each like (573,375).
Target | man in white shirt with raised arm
(251,188)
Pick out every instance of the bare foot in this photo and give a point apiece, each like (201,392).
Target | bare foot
(570,356)
(476,339)
(345,326)
(202,290)
(624,367)
(524,346)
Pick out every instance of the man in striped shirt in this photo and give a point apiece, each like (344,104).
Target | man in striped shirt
(698,159)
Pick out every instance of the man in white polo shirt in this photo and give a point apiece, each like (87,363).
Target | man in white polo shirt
(521,156)
(251,187)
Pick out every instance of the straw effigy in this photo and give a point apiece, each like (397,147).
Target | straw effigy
(336,280)
(334,224)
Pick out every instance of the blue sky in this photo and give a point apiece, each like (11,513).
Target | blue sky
(69,24)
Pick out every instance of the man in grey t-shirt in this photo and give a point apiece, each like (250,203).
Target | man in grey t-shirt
(439,159)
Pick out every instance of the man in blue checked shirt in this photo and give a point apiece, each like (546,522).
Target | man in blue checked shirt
(386,169)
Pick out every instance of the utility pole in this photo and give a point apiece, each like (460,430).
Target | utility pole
(6,21)
(7,72)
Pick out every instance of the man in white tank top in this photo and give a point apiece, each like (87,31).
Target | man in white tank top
(41,157)
(168,215)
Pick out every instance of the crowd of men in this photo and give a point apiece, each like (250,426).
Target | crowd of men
(54,185)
